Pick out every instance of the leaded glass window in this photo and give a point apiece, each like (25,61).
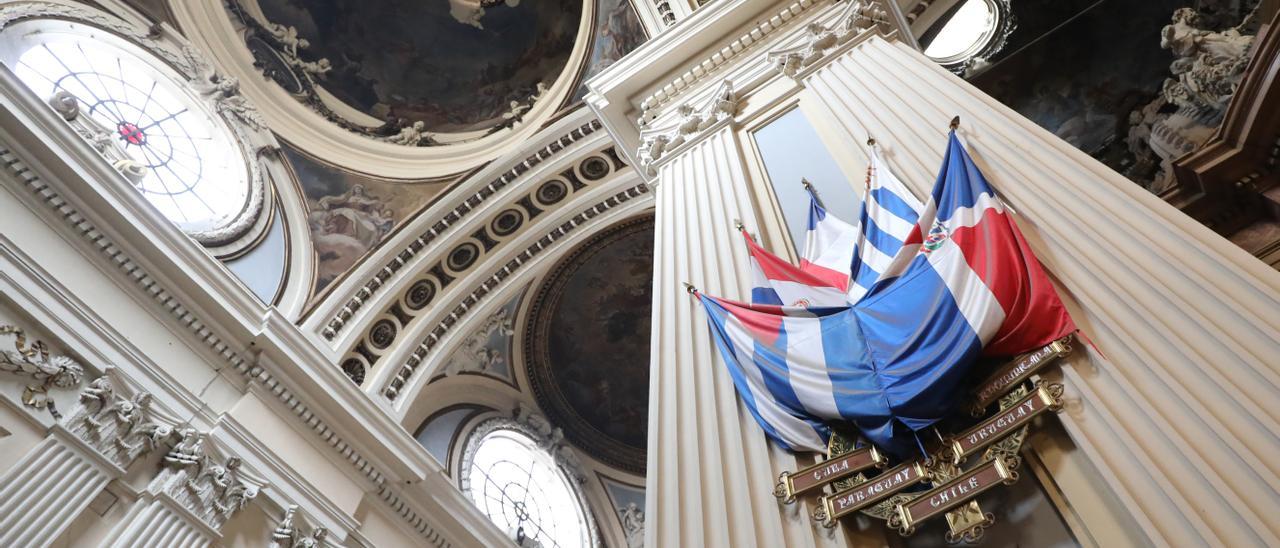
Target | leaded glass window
(523,490)
(142,115)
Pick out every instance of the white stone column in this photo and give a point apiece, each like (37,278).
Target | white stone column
(60,477)
(155,522)
(188,502)
(1181,416)
(49,488)
(710,470)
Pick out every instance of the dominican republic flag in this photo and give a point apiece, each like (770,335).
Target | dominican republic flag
(893,363)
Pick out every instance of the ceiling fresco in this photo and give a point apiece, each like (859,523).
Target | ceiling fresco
(587,344)
(617,32)
(454,65)
(350,214)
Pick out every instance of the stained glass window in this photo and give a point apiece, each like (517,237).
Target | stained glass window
(183,159)
(520,487)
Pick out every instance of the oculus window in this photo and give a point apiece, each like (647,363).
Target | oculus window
(969,34)
(522,488)
(143,116)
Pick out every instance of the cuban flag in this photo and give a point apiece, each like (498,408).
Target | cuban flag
(894,363)
(889,213)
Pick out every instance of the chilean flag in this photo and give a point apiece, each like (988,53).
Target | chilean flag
(895,362)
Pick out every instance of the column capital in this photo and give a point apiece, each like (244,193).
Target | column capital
(691,121)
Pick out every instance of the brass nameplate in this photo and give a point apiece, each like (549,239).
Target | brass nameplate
(871,492)
(954,493)
(1015,372)
(1005,422)
(819,474)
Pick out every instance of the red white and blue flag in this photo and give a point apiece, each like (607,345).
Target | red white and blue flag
(894,362)
(838,256)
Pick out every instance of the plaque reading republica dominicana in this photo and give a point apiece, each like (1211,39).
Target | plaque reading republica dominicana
(952,494)
(833,507)
(812,477)
(1015,372)
(1038,401)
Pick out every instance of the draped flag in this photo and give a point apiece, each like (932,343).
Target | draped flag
(893,363)
(889,213)
(776,281)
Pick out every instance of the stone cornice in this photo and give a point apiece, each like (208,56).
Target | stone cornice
(215,320)
(856,18)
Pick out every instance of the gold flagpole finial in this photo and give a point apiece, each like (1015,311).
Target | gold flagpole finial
(871,141)
(690,288)
(955,123)
(737,225)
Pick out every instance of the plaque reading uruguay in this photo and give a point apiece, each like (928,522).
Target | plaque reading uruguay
(1015,372)
(954,493)
(1006,421)
(871,492)
(815,476)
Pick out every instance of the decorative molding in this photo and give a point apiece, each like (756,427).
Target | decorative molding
(35,361)
(385,274)
(211,489)
(220,93)
(462,256)
(857,17)
(711,63)
(252,372)
(690,123)
(120,428)
(477,295)
(296,535)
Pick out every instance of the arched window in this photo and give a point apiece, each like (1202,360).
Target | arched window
(166,137)
(522,488)
(972,32)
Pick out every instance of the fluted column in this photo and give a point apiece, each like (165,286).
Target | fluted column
(1181,416)
(196,492)
(53,484)
(156,522)
(710,470)
(42,494)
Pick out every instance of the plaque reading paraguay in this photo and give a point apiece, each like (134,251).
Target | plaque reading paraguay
(1006,421)
(843,503)
(952,494)
(815,476)
(1015,372)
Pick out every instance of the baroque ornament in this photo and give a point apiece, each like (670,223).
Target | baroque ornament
(690,121)
(856,18)
(212,489)
(120,428)
(1204,76)
(293,533)
(35,361)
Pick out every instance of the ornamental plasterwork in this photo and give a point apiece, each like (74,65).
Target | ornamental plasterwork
(293,532)
(690,120)
(35,361)
(467,251)
(213,489)
(121,427)
(408,370)
(219,92)
(475,354)
(115,255)
(384,275)
(856,18)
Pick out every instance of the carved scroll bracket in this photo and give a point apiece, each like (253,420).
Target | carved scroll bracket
(692,120)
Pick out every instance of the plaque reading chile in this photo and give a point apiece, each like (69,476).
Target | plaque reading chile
(952,494)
